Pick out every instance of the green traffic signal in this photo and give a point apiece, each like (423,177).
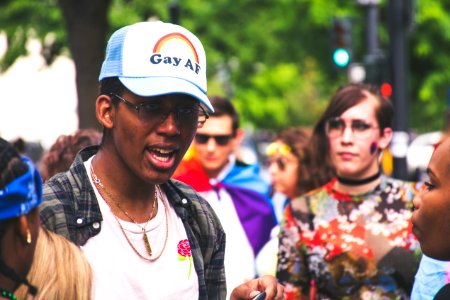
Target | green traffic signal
(341,57)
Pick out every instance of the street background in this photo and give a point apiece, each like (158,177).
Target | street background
(278,61)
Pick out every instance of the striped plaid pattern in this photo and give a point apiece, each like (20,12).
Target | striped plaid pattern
(70,208)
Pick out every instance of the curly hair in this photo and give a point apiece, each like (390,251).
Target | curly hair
(11,165)
(309,176)
(62,153)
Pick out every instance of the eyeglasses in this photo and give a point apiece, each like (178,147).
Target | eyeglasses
(150,111)
(335,127)
(221,140)
(280,161)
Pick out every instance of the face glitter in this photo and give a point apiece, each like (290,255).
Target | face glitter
(373,148)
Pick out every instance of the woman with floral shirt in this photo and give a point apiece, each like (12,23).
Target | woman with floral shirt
(351,238)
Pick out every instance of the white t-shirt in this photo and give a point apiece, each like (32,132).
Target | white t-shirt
(239,256)
(119,273)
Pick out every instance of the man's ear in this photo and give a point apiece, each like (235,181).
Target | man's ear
(237,140)
(104,111)
(385,138)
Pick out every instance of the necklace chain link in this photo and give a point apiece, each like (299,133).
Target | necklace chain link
(158,194)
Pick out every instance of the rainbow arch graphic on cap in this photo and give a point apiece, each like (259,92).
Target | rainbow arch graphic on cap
(175,36)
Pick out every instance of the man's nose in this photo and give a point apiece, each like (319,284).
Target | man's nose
(211,144)
(169,121)
(171,114)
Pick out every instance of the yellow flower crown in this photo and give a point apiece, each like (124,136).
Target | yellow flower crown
(278,148)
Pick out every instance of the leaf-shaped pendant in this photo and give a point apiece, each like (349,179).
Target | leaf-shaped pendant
(147,244)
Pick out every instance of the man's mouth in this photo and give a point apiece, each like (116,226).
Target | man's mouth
(162,155)
(161,158)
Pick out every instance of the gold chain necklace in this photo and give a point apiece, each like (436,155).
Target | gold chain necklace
(98,183)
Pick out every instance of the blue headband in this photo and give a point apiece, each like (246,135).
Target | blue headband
(22,194)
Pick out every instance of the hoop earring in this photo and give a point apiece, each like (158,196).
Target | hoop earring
(28,236)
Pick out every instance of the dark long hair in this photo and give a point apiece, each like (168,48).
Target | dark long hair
(346,97)
(11,167)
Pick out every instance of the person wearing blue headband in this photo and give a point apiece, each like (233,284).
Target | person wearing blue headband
(20,196)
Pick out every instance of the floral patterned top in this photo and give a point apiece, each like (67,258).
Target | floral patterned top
(328,241)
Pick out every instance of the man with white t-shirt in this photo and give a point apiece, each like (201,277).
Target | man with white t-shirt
(235,190)
(145,235)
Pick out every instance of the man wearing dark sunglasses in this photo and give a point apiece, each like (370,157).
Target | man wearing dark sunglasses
(235,190)
(216,142)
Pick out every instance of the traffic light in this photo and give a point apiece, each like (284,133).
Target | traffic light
(377,68)
(386,89)
(341,35)
(377,72)
(174,12)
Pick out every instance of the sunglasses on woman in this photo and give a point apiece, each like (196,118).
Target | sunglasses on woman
(280,161)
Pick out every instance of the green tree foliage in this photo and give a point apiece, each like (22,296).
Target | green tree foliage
(21,19)
(268,51)
(272,57)
(282,96)
(430,65)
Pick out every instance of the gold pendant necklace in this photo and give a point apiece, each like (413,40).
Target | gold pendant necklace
(98,183)
(147,244)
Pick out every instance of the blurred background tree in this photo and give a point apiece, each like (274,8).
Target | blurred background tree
(272,57)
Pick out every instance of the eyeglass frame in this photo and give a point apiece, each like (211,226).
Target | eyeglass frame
(165,115)
(216,138)
(280,161)
(352,126)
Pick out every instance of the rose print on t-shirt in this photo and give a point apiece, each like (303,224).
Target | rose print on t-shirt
(184,252)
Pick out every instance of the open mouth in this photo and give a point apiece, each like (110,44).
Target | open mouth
(161,154)
(161,158)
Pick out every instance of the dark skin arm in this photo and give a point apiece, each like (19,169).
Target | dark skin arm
(250,289)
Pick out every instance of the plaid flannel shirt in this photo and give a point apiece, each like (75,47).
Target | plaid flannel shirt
(70,208)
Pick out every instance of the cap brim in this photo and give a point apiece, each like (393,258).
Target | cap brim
(155,86)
